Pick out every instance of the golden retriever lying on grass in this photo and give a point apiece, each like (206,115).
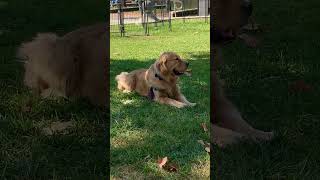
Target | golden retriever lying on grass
(228,126)
(74,65)
(159,82)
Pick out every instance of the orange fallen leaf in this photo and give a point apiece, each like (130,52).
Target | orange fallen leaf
(163,164)
(162,161)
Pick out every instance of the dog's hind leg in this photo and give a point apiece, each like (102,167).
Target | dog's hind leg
(223,137)
(229,117)
(171,102)
(126,82)
(183,99)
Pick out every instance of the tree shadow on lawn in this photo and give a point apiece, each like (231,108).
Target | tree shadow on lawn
(142,130)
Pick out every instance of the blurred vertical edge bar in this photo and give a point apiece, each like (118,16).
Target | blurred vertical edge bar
(107,123)
(212,83)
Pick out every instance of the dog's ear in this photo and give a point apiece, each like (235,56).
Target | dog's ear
(162,63)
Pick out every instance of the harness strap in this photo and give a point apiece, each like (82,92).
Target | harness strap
(158,76)
(151,93)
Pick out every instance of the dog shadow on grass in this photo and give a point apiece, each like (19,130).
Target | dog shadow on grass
(143,131)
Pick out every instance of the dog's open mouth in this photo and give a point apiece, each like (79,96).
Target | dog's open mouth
(177,73)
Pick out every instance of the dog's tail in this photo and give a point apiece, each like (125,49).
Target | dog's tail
(126,81)
(35,55)
(37,49)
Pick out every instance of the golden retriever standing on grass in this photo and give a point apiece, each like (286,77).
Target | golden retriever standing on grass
(74,65)
(159,82)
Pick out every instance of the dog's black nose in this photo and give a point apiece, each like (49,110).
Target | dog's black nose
(187,64)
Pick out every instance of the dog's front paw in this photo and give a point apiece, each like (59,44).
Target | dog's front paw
(181,105)
(228,140)
(126,91)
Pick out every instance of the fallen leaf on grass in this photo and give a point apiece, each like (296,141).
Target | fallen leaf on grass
(201,142)
(205,145)
(163,164)
(300,86)
(58,128)
(207,149)
(204,127)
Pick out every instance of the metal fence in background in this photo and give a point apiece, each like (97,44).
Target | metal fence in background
(135,17)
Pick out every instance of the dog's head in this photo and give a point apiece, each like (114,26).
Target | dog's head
(230,16)
(171,64)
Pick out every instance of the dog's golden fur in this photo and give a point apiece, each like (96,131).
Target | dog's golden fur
(161,78)
(228,126)
(74,65)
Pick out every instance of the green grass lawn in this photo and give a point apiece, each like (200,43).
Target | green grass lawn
(25,153)
(142,130)
(258,80)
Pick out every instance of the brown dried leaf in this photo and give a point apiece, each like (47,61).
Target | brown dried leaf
(201,142)
(162,161)
(206,145)
(207,149)
(163,164)
(204,127)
